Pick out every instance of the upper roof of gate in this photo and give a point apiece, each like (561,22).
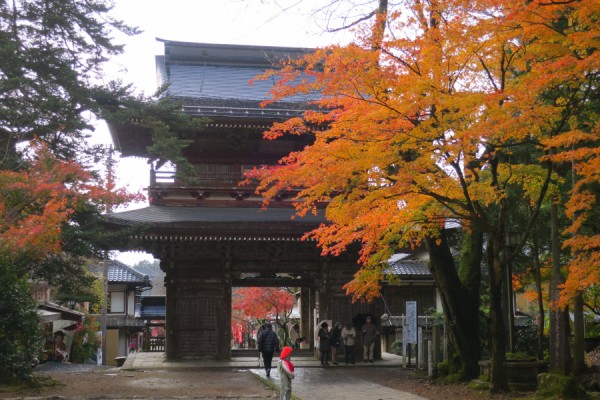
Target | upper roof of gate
(219,80)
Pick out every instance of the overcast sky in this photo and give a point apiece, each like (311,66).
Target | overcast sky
(253,22)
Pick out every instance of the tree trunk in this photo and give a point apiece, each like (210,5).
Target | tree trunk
(578,336)
(578,323)
(498,382)
(559,318)
(469,270)
(540,299)
(461,316)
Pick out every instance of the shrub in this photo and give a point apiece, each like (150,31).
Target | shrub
(19,328)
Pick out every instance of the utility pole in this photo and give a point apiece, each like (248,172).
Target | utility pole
(103,311)
(110,180)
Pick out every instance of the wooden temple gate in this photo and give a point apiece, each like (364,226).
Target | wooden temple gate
(201,271)
(211,233)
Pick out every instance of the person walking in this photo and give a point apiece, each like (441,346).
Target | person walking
(369,333)
(335,338)
(268,343)
(286,373)
(348,335)
(295,336)
(324,345)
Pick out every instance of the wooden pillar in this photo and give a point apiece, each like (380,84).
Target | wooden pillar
(171,314)
(324,293)
(306,322)
(198,311)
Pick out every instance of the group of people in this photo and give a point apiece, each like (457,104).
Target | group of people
(331,340)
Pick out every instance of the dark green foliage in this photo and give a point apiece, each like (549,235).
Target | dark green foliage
(526,340)
(161,118)
(85,342)
(19,328)
(556,386)
(51,52)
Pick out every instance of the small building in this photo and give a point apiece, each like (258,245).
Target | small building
(124,324)
(154,315)
(54,317)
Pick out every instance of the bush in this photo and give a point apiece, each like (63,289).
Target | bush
(526,340)
(559,386)
(85,342)
(19,328)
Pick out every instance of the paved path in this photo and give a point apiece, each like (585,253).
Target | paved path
(333,384)
(312,382)
(158,361)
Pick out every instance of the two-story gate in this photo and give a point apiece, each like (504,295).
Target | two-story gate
(211,232)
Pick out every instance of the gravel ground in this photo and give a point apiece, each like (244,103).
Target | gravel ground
(76,381)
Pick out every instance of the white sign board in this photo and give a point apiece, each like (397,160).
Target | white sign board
(411,322)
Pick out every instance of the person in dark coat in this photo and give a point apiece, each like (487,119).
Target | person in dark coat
(268,343)
(324,345)
(335,340)
(369,334)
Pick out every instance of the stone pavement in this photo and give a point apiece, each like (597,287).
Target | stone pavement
(332,384)
(312,381)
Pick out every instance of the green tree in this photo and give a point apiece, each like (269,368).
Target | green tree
(54,187)
(19,328)
(51,58)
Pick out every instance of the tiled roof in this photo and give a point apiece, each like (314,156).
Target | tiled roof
(214,80)
(153,307)
(221,82)
(121,273)
(409,268)
(179,215)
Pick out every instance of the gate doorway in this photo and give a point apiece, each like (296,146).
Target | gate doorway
(255,300)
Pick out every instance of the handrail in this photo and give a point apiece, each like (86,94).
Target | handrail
(170,177)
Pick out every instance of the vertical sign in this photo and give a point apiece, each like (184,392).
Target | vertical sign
(411,322)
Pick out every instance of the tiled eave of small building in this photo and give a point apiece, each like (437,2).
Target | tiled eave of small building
(121,321)
(409,272)
(153,307)
(120,273)
(52,312)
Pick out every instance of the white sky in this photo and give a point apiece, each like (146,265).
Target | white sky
(255,22)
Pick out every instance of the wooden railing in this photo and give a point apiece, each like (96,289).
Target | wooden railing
(219,179)
(155,344)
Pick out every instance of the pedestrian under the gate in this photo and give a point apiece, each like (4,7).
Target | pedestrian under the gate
(369,334)
(335,339)
(286,373)
(268,343)
(295,336)
(324,345)
(348,336)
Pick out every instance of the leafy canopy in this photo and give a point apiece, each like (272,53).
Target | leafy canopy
(432,120)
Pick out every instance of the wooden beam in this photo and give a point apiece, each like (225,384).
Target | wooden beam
(271,282)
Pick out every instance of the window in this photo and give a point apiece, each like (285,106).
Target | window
(117,302)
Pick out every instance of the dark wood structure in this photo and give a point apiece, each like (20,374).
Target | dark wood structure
(211,234)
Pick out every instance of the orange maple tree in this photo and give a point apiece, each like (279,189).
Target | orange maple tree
(37,201)
(258,305)
(263,303)
(458,104)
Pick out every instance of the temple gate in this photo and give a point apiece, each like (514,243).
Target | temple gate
(212,234)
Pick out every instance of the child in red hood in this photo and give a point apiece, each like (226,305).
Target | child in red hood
(286,373)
